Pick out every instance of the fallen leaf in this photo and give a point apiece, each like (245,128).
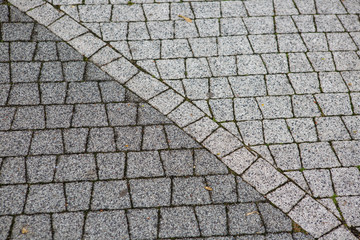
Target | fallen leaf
(186,18)
(208,188)
(126,145)
(24,231)
(250,213)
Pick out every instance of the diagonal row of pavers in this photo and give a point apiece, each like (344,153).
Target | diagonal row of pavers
(281,191)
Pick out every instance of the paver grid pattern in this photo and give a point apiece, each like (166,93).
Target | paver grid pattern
(83,158)
(280,75)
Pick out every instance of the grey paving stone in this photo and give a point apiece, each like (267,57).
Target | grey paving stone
(5,53)
(274,219)
(259,25)
(212,220)
(47,142)
(14,143)
(278,84)
(78,195)
(328,23)
(161,30)
(12,199)
(121,114)
(110,165)
(196,88)
(29,117)
(263,43)
(46,51)
(143,223)
(355,99)
(178,162)
(206,28)
(150,192)
(347,152)
(75,140)
(112,91)
(40,168)
(286,156)
(332,82)
(302,129)
(340,42)
(5,223)
(110,195)
(222,109)
(232,26)
(317,155)
(180,8)
(246,109)
(319,182)
(45,198)
(305,106)
(248,86)
(346,61)
(144,164)
(171,69)
(223,66)
(188,191)
(41,33)
(6,117)
(25,71)
(216,142)
(284,24)
(315,41)
(346,181)
(348,22)
(312,215)
(13,171)
(206,10)
(299,63)
(321,61)
(275,107)
(259,8)
(148,115)
(290,43)
(233,45)
(338,233)
(351,80)
(276,131)
(151,50)
(197,67)
(67,28)
(137,31)
(87,44)
(173,49)
(252,132)
(4,13)
(276,63)
(4,92)
(37,226)
(101,139)
(89,115)
(67,53)
(24,94)
(246,193)
(223,188)
(95,13)
(241,223)
(104,56)
(334,103)
(114,31)
(68,225)
(5,72)
(151,133)
(51,72)
(285,7)
(58,116)
(128,138)
(83,92)
(20,51)
(207,163)
(347,206)
(331,128)
(305,23)
(106,225)
(75,167)
(127,13)
(74,71)
(17,31)
(178,222)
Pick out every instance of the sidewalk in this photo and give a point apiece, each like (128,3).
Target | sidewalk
(249,95)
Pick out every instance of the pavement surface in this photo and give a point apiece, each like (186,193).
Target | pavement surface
(179,119)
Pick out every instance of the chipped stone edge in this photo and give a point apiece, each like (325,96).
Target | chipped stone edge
(240,159)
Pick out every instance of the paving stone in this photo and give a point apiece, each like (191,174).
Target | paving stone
(332,82)
(302,129)
(20,51)
(290,43)
(83,92)
(278,84)
(321,61)
(246,109)
(110,195)
(337,131)
(143,223)
(106,225)
(67,28)
(286,156)
(259,25)
(275,107)
(13,171)
(25,71)
(4,92)
(305,106)
(299,63)
(338,233)
(223,66)
(187,191)
(315,41)
(276,131)
(101,139)
(346,61)
(284,24)
(232,26)
(75,140)
(47,142)
(233,45)
(240,223)
(319,182)
(40,168)
(128,138)
(305,23)
(346,181)
(5,73)
(89,115)
(151,192)
(250,86)
(206,163)
(75,167)
(328,23)
(58,116)
(246,193)
(112,91)
(24,94)
(149,162)
(29,117)
(95,13)
(46,51)
(340,42)
(74,71)
(224,188)
(274,219)
(307,211)
(347,206)
(39,226)
(178,163)
(67,225)
(111,165)
(45,198)
(14,143)
(87,44)
(6,117)
(78,195)
(346,152)
(348,22)
(178,222)
(206,28)
(222,109)
(252,132)
(161,30)
(52,72)
(5,223)
(12,199)
(41,33)
(212,220)
(222,136)
(17,31)
(154,132)
(67,53)
(171,69)
(304,82)
(334,103)
(317,155)
(276,63)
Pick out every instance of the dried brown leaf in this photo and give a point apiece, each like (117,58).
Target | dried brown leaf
(208,188)
(250,213)
(186,18)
